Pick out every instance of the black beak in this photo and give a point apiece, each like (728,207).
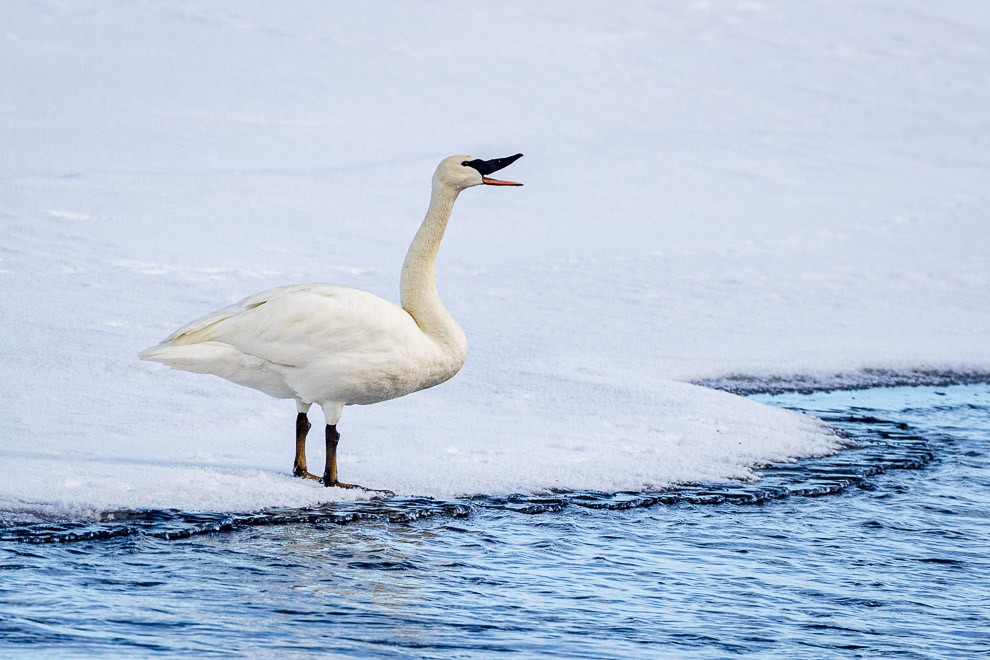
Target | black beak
(486,167)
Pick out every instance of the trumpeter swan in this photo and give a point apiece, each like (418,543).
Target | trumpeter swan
(333,345)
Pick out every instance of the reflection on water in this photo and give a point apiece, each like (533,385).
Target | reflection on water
(893,560)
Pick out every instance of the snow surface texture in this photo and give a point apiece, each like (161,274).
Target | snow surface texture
(746,190)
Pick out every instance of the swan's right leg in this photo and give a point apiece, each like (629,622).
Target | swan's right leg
(302,428)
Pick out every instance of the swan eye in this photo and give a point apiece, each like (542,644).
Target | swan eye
(464,163)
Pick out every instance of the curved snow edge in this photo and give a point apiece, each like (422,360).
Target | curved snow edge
(744,385)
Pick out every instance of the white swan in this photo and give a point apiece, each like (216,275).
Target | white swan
(335,346)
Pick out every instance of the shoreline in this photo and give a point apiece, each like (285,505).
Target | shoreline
(863,379)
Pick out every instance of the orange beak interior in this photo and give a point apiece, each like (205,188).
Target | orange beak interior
(498,182)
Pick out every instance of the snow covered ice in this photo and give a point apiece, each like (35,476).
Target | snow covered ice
(762,189)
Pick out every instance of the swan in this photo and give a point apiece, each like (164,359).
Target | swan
(336,346)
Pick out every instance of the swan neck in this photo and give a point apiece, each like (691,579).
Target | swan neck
(418,283)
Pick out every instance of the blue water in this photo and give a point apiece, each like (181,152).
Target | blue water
(883,549)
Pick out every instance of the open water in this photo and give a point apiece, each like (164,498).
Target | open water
(881,550)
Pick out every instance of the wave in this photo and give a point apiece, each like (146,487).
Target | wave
(744,384)
(875,446)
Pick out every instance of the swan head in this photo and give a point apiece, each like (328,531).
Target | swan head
(461,172)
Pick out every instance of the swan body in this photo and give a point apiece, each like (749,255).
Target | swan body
(334,345)
(318,343)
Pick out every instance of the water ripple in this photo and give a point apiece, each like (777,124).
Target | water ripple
(879,550)
(876,446)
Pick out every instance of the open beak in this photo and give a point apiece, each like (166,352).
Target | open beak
(488,181)
(486,167)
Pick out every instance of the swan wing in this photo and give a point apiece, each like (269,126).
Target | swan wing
(295,325)
(189,331)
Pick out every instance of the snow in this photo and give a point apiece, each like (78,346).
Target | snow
(750,190)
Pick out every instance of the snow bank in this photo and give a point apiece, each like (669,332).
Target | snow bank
(562,434)
(744,190)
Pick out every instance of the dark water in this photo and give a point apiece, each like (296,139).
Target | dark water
(883,549)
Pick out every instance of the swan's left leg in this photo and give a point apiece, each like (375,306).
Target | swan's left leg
(330,471)
(332,411)
(302,429)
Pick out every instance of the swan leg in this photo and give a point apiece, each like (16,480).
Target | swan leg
(332,411)
(330,471)
(302,429)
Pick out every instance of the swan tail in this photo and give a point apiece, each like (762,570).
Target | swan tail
(220,359)
(199,358)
